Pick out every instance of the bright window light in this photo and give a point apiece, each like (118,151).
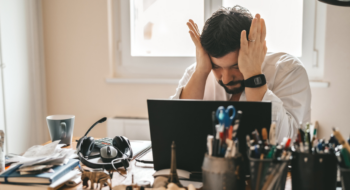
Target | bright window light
(284,21)
(158,27)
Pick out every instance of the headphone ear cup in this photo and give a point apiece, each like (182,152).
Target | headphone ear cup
(87,146)
(126,140)
(125,163)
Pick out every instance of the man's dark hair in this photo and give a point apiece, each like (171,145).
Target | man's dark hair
(222,31)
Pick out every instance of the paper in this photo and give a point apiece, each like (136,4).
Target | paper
(41,150)
(35,168)
(50,154)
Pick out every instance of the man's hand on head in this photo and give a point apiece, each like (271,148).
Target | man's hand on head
(203,61)
(253,50)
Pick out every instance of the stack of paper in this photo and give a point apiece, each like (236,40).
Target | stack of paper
(41,158)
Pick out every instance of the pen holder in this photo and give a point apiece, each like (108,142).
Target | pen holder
(268,174)
(223,173)
(314,171)
(345,178)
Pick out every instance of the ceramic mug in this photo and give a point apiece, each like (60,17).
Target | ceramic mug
(61,128)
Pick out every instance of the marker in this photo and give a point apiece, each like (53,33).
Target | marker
(271,152)
(345,156)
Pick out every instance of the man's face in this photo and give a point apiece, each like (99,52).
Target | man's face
(227,73)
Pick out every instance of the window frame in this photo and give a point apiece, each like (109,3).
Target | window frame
(122,65)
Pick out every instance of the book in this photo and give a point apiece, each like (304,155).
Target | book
(13,176)
(53,186)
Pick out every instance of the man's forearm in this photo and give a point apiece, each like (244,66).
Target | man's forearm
(195,86)
(255,94)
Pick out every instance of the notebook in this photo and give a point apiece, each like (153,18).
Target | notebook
(53,186)
(13,176)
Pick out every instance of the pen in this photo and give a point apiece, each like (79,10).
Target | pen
(272,135)
(286,147)
(235,148)
(256,151)
(236,125)
(307,140)
(248,140)
(210,144)
(264,136)
(314,136)
(229,143)
(213,119)
(259,172)
(302,134)
(256,136)
(309,136)
(341,140)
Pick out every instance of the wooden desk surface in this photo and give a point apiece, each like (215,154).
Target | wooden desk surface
(140,173)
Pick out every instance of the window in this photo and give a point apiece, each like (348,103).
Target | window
(153,39)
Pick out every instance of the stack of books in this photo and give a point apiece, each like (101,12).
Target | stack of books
(12,178)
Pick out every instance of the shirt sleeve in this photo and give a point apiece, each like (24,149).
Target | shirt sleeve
(291,102)
(183,81)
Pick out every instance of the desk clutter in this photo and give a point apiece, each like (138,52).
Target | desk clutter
(313,161)
(40,167)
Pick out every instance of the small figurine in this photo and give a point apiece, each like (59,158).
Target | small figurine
(99,177)
(173,178)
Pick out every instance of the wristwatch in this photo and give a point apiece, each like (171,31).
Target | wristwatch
(255,81)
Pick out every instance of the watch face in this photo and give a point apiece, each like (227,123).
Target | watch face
(257,81)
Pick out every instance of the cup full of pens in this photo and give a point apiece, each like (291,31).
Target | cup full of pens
(314,164)
(223,164)
(268,160)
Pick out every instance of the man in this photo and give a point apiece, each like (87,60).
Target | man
(233,65)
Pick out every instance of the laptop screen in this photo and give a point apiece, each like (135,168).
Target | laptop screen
(189,122)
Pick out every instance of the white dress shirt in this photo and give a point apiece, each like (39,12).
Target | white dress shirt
(288,90)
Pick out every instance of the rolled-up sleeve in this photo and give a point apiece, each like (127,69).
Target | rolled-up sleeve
(183,81)
(291,101)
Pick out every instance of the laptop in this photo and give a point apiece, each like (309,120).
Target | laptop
(188,123)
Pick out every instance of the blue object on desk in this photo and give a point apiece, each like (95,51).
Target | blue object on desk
(13,176)
(224,117)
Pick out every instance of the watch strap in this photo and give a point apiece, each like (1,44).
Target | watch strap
(255,81)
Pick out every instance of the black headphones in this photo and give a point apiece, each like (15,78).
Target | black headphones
(122,144)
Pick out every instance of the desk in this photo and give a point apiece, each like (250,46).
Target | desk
(140,173)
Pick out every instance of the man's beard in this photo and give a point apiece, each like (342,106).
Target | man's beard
(232,83)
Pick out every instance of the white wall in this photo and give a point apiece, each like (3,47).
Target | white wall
(24,103)
(330,106)
(76,46)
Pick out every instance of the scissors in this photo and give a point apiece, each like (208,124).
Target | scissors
(224,117)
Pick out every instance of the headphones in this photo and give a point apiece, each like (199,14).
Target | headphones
(122,153)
